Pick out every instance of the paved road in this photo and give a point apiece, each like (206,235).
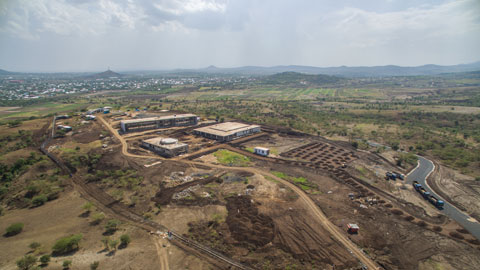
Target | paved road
(425,167)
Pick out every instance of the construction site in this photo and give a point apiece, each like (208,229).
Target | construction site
(225,207)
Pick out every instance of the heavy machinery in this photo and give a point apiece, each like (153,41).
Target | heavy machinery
(416,185)
(423,192)
(438,203)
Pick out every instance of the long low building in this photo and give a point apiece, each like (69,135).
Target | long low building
(167,147)
(141,124)
(227,131)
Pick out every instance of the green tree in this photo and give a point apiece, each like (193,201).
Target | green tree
(66,264)
(45,259)
(112,226)
(27,262)
(105,241)
(355,144)
(113,243)
(67,244)
(88,207)
(125,240)
(14,229)
(97,218)
(94,265)
(34,245)
(39,200)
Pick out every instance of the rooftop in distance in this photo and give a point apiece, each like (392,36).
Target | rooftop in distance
(158,118)
(226,129)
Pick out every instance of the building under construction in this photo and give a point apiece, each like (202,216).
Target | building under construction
(227,131)
(167,147)
(177,120)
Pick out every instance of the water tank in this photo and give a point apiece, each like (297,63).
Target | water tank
(169,141)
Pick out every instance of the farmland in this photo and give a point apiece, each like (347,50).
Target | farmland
(331,142)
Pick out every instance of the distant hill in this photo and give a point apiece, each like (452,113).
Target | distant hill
(344,71)
(4,72)
(104,75)
(300,78)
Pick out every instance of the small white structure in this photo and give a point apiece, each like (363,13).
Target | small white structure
(90,117)
(65,128)
(262,151)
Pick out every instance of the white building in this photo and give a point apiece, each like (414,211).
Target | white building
(167,147)
(262,151)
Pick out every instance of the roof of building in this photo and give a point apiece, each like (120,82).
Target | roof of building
(167,143)
(158,118)
(226,129)
(261,148)
(353,226)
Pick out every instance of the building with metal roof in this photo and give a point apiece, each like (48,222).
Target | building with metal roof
(167,147)
(175,120)
(227,131)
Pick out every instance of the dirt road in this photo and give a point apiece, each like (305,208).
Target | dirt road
(162,252)
(309,203)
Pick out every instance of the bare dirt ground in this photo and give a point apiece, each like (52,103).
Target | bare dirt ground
(461,189)
(389,247)
(277,143)
(388,237)
(63,217)
(259,221)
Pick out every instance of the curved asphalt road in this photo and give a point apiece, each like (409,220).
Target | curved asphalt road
(423,170)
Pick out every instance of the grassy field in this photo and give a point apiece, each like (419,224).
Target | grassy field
(230,158)
(41,110)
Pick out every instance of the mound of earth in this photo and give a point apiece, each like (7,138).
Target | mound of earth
(246,224)
(164,196)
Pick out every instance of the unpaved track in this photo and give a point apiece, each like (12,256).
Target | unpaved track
(162,253)
(107,204)
(310,204)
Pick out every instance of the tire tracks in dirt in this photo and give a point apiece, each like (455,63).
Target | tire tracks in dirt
(329,226)
(162,253)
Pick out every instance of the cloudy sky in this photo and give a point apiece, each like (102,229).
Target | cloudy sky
(91,35)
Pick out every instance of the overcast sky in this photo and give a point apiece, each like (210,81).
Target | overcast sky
(91,35)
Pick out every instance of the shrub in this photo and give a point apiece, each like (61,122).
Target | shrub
(97,218)
(67,244)
(105,241)
(94,265)
(113,244)
(112,226)
(88,206)
(27,262)
(34,245)
(45,259)
(14,229)
(66,264)
(125,240)
(355,144)
(39,200)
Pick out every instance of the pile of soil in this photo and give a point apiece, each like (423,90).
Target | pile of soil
(164,196)
(209,233)
(246,224)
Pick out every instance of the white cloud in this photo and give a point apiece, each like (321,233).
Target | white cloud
(364,28)
(194,33)
(82,17)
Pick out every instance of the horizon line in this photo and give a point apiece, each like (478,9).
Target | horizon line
(235,67)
